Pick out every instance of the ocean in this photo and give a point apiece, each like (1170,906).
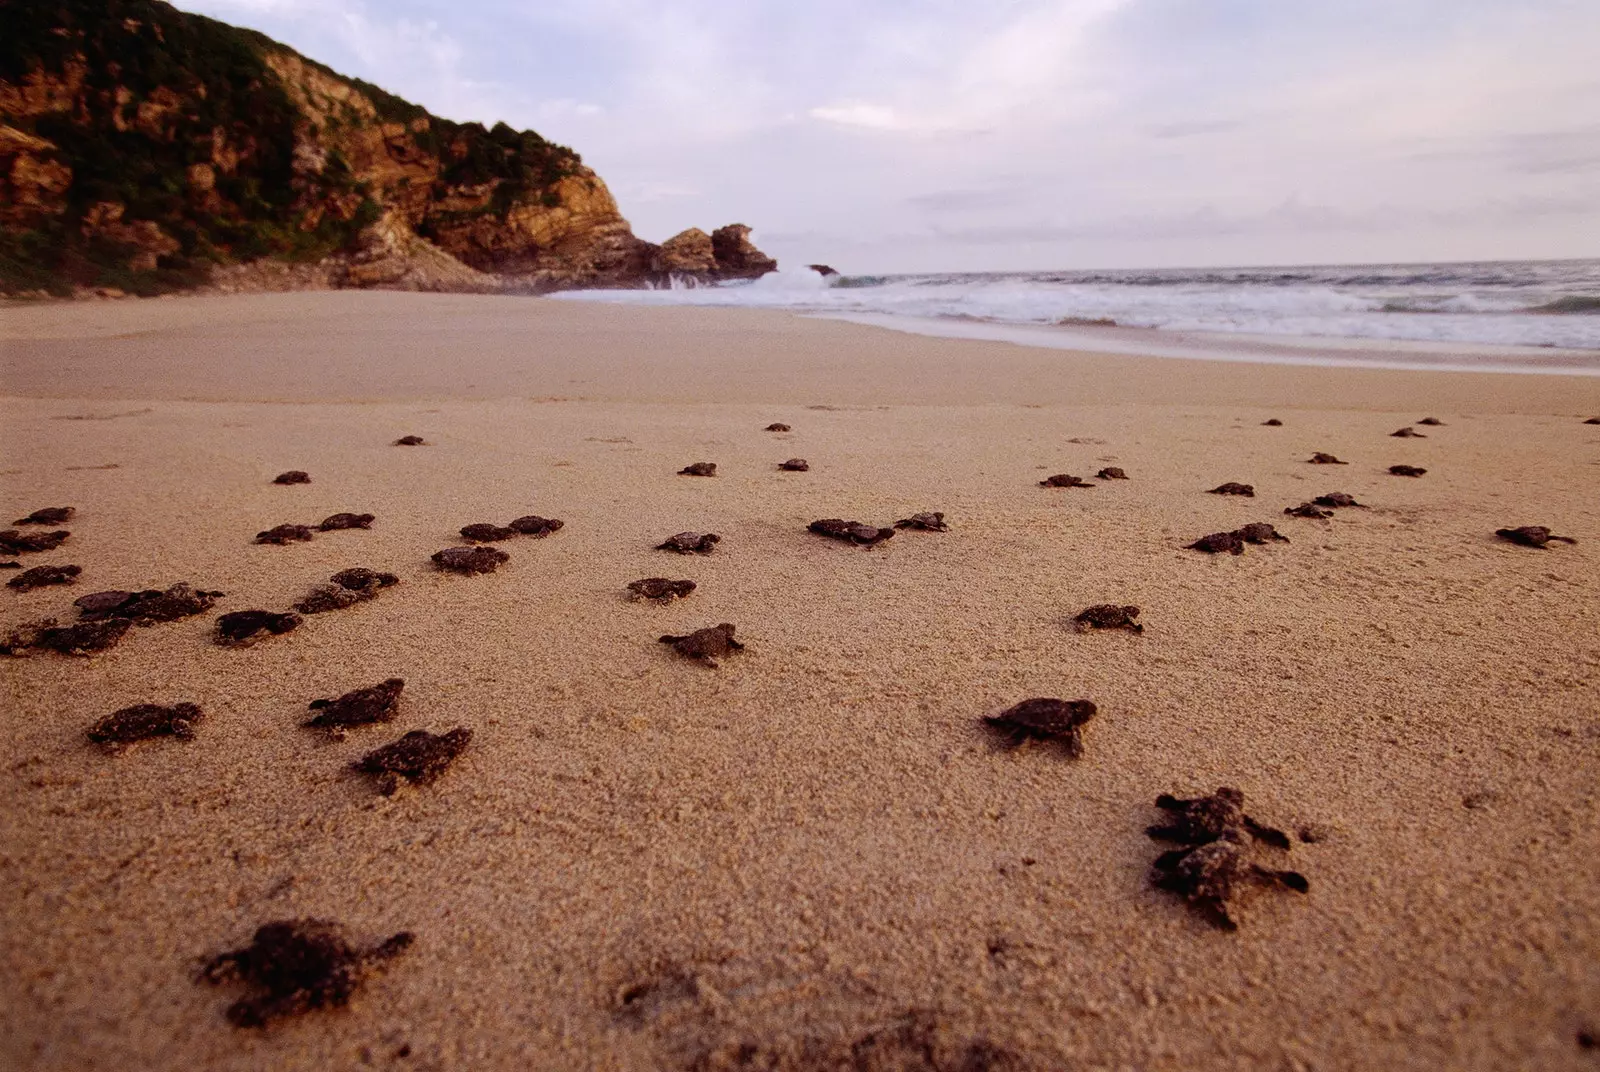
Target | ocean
(1483,313)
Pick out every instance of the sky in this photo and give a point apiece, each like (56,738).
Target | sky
(986,135)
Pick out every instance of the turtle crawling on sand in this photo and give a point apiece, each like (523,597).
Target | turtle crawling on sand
(81,638)
(1407,432)
(1431,422)
(335,522)
(13,542)
(1406,470)
(1107,616)
(1530,536)
(42,576)
(534,525)
(294,966)
(1216,866)
(1319,458)
(49,515)
(285,534)
(776,426)
(699,469)
(660,589)
(483,532)
(1065,480)
(691,543)
(149,606)
(1311,510)
(293,476)
(358,707)
(242,628)
(1592,420)
(795,465)
(470,559)
(850,531)
(144,721)
(931,521)
(1233,488)
(1197,820)
(419,758)
(1218,543)
(1111,472)
(706,645)
(1045,719)
(1272,422)
(410,441)
(1259,532)
(361,579)
(1336,499)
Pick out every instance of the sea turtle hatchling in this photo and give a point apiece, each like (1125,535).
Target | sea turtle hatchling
(706,645)
(1233,488)
(335,522)
(850,531)
(534,525)
(699,469)
(1407,432)
(147,607)
(1259,532)
(1406,470)
(358,707)
(470,559)
(1065,480)
(1432,422)
(660,589)
(1111,472)
(1311,510)
(417,758)
(483,532)
(1319,458)
(691,543)
(795,465)
(285,534)
(930,521)
(1107,616)
(1531,536)
(14,542)
(1044,718)
(1214,877)
(411,441)
(44,576)
(776,426)
(296,965)
(293,476)
(1197,820)
(144,721)
(1337,499)
(241,628)
(49,515)
(1218,543)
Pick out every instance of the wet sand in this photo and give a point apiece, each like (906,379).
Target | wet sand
(815,850)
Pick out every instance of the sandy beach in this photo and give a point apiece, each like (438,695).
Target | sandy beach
(814,855)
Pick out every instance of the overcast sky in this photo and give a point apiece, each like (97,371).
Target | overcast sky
(911,135)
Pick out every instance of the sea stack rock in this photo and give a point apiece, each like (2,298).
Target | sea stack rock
(737,257)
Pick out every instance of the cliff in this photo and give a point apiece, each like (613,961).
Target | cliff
(146,149)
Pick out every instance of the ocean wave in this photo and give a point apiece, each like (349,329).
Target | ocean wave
(1498,304)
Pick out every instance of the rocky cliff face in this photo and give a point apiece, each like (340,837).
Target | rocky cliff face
(144,148)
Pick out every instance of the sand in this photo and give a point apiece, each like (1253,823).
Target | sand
(815,849)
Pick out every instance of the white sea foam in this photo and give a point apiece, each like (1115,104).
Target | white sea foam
(1491,305)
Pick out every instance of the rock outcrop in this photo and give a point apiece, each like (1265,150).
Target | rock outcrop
(145,149)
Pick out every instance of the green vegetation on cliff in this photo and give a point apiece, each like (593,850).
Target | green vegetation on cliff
(141,145)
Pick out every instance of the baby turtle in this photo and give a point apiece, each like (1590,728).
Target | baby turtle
(850,531)
(358,707)
(1527,536)
(932,521)
(1111,473)
(1108,616)
(241,628)
(144,721)
(1592,420)
(1311,510)
(294,966)
(50,515)
(1198,820)
(1432,422)
(285,534)
(1320,458)
(1232,488)
(13,542)
(1259,532)
(776,427)
(1064,480)
(534,525)
(40,576)
(1213,876)
(82,638)
(1272,422)
(147,607)
(1217,543)
(795,465)
(1407,432)
(470,559)
(1336,499)
(660,589)
(361,579)
(411,441)
(293,476)
(691,543)
(419,758)
(699,469)
(1045,719)
(483,532)
(346,521)
(1406,470)
(706,645)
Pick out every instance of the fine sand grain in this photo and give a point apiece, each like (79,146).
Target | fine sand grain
(814,850)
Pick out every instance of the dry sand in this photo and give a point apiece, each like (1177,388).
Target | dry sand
(816,845)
